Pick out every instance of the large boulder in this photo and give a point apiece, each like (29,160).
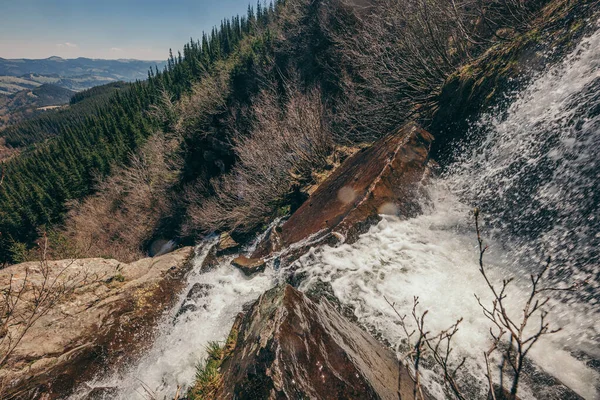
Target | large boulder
(91,314)
(249,266)
(289,347)
(382,179)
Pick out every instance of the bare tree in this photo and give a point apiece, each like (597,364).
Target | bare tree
(127,206)
(207,99)
(399,53)
(438,346)
(399,58)
(520,338)
(286,144)
(523,333)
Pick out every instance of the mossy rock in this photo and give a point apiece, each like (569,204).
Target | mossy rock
(488,82)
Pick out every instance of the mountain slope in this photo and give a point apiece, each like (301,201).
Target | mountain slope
(29,102)
(62,159)
(238,128)
(126,70)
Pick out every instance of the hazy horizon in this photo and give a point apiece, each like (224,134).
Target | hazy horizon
(89,58)
(111,30)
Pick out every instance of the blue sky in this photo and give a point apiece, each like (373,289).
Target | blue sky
(107,28)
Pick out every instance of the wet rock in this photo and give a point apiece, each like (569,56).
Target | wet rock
(106,320)
(211,261)
(160,247)
(198,291)
(185,308)
(249,266)
(102,393)
(226,244)
(384,178)
(269,244)
(289,347)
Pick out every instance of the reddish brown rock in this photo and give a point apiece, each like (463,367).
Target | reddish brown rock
(382,179)
(249,266)
(289,347)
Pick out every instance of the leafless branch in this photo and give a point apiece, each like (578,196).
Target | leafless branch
(28,298)
(520,341)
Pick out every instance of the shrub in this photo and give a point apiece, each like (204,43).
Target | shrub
(128,205)
(400,53)
(287,143)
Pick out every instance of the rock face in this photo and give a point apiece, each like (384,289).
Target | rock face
(382,179)
(249,266)
(226,244)
(289,347)
(106,316)
(484,84)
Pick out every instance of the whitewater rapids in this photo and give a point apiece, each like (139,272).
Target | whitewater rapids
(534,171)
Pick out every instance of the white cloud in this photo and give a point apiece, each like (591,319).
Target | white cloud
(67,44)
(116,49)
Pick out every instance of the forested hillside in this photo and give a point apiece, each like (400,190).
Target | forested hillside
(31,102)
(89,140)
(237,126)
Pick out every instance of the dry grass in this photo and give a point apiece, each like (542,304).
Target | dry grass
(403,50)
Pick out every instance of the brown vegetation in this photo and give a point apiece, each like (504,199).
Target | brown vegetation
(403,51)
(123,214)
(5,151)
(391,59)
(286,145)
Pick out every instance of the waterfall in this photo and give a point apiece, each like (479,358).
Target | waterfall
(204,312)
(534,171)
(532,168)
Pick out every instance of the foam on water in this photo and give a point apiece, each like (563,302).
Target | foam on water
(534,171)
(182,340)
(435,257)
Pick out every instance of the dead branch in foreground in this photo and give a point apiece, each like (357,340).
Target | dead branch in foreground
(521,336)
(437,346)
(25,300)
(521,339)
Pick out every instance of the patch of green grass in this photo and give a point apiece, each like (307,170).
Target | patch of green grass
(208,373)
(283,210)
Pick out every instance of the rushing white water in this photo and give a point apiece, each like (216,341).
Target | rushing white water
(535,171)
(182,340)
(532,169)
(434,256)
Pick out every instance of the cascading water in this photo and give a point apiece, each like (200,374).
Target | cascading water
(204,313)
(534,172)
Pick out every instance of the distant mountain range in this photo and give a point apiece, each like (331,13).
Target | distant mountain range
(27,86)
(116,70)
